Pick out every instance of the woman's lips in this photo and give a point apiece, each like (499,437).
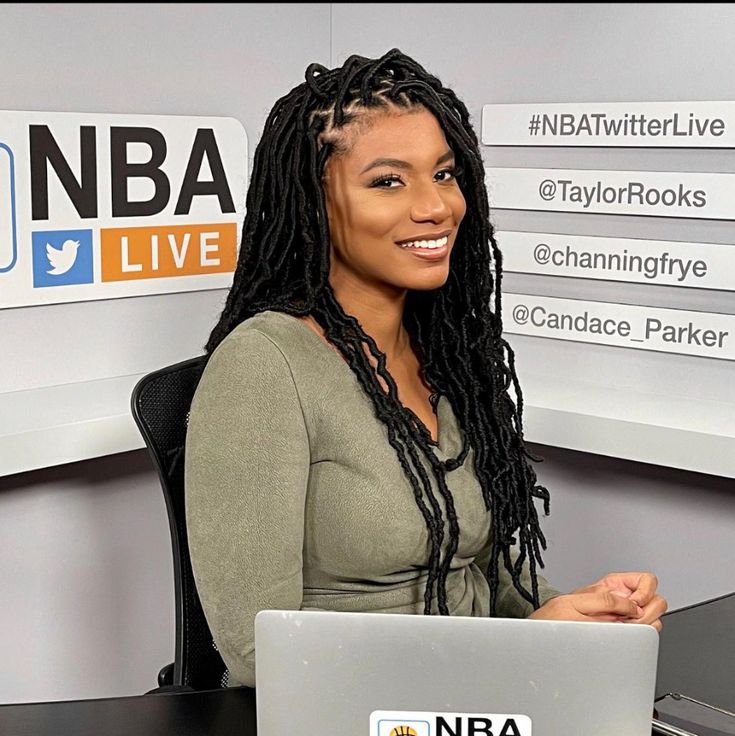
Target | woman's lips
(428,254)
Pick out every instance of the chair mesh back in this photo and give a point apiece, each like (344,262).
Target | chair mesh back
(160,405)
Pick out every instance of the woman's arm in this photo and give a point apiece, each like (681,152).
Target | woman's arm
(510,603)
(246,474)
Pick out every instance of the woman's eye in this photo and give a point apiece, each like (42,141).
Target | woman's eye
(455,171)
(386,178)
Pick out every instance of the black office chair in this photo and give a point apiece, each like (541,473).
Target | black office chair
(160,404)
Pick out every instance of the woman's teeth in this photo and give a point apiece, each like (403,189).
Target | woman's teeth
(427,243)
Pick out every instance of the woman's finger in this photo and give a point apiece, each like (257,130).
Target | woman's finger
(645,590)
(603,603)
(652,612)
(639,586)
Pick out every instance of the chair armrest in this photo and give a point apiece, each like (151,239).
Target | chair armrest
(165,679)
(166,675)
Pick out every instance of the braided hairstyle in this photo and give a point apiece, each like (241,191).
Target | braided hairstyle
(283,265)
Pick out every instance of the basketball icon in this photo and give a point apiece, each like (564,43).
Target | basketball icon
(401,723)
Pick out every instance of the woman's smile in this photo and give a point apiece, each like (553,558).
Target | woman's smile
(428,250)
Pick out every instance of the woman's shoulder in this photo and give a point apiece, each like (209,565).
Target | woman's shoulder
(262,328)
(267,343)
(253,358)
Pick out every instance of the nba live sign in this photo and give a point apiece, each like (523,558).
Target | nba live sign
(105,206)
(424,723)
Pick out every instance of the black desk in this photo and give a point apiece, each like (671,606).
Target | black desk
(697,652)
(229,712)
(697,656)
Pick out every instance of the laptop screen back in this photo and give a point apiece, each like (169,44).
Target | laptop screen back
(332,674)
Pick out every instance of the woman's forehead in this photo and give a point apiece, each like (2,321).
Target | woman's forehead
(412,137)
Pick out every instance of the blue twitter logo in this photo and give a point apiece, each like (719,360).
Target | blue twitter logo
(62,257)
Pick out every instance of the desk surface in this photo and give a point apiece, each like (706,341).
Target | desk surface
(229,712)
(697,651)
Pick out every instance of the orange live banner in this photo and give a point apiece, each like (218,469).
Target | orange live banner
(134,253)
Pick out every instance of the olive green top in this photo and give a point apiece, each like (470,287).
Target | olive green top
(296,499)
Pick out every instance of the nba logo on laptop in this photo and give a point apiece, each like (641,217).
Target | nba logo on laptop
(62,257)
(390,727)
(425,723)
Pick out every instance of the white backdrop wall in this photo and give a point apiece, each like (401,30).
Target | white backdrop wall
(85,570)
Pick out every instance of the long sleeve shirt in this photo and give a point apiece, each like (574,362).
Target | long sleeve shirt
(295,498)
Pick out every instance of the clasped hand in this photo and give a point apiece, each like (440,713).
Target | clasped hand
(628,597)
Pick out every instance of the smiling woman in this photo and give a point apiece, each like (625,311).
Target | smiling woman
(413,201)
(352,443)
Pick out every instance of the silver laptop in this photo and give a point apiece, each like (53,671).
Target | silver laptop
(322,673)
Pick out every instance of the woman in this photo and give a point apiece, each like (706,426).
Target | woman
(357,381)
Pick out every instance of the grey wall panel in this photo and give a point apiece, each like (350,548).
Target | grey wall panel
(609,515)
(87,581)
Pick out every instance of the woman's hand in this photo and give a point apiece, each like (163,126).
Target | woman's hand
(629,597)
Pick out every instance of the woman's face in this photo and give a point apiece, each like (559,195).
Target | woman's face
(375,208)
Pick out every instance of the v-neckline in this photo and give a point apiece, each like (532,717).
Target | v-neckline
(337,355)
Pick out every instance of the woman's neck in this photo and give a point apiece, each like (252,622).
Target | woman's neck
(380,315)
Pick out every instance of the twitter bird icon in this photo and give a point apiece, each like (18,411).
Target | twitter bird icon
(62,259)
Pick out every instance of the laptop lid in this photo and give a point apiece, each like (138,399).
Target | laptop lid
(322,673)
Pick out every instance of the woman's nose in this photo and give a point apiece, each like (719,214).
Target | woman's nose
(429,204)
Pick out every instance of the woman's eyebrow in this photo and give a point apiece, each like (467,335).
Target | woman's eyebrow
(398,164)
